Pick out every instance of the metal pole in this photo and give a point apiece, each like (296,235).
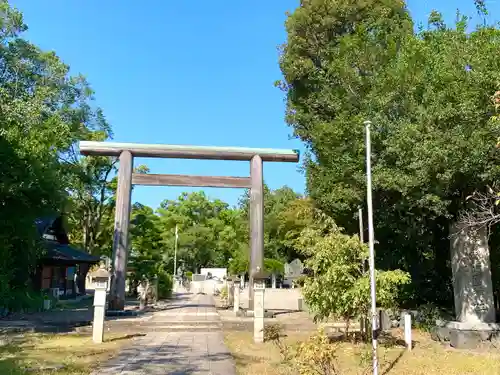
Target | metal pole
(371,246)
(175,250)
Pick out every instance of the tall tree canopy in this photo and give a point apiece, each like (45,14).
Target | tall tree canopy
(43,112)
(429,95)
(276,203)
(208,230)
(213,234)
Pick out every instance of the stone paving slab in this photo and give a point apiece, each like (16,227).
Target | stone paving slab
(180,352)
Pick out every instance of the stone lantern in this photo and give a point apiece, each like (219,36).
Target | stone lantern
(100,280)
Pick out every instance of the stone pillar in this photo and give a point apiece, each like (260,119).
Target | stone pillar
(472,285)
(236,306)
(155,290)
(230,291)
(258,313)
(98,323)
(100,280)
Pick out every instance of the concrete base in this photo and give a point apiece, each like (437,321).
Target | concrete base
(441,334)
(462,335)
(249,314)
(479,326)
(302,306)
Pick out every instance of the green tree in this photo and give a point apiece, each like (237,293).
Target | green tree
(146,254)
(276,202)
(44,111)
(209,230)
(92,202)
(298,215)
(232,237)
(92,196)
(429,96)
(339,285)
(273,266)
(239,264)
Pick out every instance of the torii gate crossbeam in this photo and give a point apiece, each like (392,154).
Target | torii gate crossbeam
(126,153)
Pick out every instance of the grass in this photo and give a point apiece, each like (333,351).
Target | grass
(426,358)
(56,354)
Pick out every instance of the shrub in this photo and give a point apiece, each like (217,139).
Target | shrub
(189,275)
(224,293)
(274,333)
(299,281)
(340,287)
(427,316)
(26,300)
(365,355)
(316,356)
(165,284)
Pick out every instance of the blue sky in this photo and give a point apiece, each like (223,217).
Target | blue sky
(186,72)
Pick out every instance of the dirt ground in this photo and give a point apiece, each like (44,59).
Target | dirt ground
(290,320)
(427,357)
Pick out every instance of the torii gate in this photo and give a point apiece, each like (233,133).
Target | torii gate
(126,153)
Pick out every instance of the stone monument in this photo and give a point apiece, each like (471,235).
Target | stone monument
(293,270)
(472,287)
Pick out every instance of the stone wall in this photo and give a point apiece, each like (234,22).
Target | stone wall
(276,299)
(210,287)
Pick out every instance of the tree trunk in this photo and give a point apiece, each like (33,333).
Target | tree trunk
(83,269)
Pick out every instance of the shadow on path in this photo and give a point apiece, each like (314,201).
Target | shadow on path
(184,351)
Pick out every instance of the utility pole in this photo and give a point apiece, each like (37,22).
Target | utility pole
(371,245)
(175,249)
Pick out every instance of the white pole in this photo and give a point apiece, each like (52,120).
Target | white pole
(175,250)
(408,339)
(364,321)
(361,233)
(371,246)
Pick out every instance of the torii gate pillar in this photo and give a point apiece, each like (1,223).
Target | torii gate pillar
(256,223)
(121,232)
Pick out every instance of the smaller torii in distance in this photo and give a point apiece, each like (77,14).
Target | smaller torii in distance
(126,178)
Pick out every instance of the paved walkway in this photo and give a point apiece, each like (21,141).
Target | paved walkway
(184,338)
